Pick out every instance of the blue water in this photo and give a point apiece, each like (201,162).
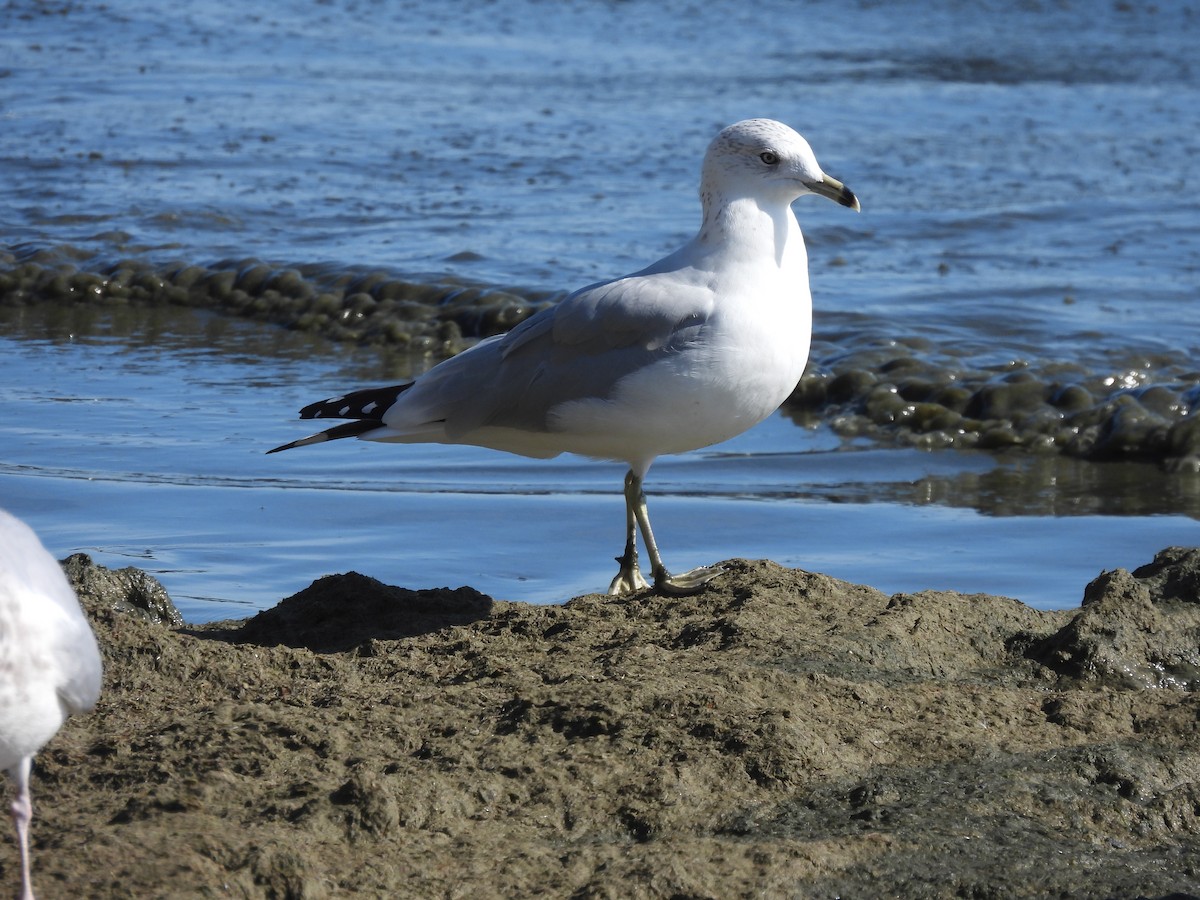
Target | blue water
(1028,179)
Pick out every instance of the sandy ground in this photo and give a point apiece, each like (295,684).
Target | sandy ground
(782,734)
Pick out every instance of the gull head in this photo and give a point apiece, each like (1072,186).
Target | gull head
(768,161)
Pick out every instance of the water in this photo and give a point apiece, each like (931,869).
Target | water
(1028,182)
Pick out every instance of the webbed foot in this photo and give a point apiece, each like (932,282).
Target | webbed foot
(686,583)
(629,577)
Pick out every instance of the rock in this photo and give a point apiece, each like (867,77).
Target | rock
(127,590)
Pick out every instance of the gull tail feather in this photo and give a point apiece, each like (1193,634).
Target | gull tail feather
(365,407)
(345,430)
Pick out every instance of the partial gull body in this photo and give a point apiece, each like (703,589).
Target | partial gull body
(690,351)
(49,663)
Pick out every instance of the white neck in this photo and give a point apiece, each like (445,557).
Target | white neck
(746,229)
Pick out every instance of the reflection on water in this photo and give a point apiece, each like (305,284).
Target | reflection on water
(1037,485)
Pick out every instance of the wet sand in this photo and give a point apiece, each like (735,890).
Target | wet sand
(782,734)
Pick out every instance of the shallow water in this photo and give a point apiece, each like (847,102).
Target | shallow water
(1028,183)
(143,444)
(1046,150)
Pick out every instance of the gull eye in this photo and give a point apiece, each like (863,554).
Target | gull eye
(769,157)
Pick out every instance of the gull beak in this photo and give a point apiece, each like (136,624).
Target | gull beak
(835,191)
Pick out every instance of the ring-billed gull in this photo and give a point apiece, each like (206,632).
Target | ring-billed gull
(49,663)
(688,352)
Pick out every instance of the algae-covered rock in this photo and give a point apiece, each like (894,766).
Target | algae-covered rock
(1135,630)
(126,590)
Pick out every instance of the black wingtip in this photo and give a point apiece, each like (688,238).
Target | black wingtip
(366,407)
(369,403)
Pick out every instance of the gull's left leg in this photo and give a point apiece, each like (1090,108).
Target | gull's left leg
(629,577)
(664,582)
(22,813)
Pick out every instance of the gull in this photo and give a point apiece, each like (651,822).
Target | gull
(49,663)
(688,352)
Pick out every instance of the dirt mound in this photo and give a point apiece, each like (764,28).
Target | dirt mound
(339,612)
(782,734)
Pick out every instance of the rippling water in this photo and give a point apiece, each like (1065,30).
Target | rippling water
(1027,175)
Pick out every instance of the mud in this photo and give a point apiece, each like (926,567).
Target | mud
(782,734)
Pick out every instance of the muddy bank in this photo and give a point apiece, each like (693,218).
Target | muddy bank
(782,734)
(891,388)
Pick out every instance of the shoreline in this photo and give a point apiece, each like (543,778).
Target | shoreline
(1132,405)
(782,732)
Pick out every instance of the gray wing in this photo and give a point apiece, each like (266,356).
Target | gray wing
(579,348)
(639,310)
